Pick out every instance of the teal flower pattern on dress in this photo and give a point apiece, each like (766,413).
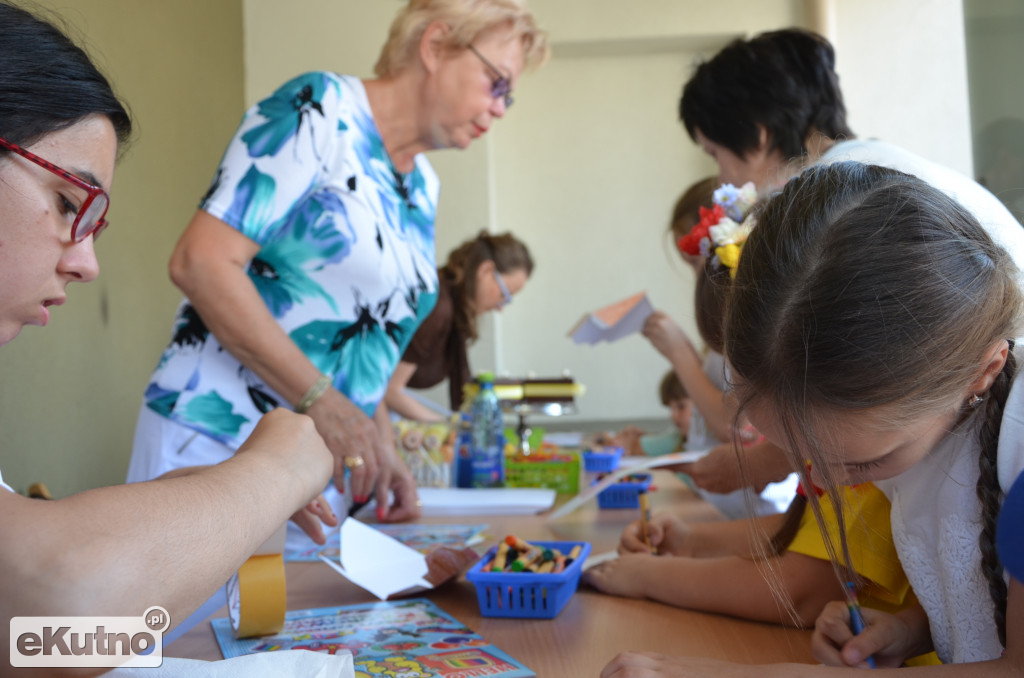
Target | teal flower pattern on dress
(345,261)
(285,111)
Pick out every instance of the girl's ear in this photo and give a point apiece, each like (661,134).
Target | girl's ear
(432,46)
(993,365)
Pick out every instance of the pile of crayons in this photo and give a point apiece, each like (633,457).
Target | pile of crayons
(516,555)
(638,478)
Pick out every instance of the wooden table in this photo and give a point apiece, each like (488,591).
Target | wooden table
(591,629)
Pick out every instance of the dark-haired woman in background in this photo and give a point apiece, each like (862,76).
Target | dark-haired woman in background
(481,275)
(767,107)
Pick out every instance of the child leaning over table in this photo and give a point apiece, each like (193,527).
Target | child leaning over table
(680,410)
(721,566)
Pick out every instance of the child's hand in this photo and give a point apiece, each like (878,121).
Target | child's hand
(626,576)
(629,440)
(665,335)
(718,471)
(667,533)
(313,516)
(886,637)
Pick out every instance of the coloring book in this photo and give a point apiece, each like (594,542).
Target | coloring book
(410,637)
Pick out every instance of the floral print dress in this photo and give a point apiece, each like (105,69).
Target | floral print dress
(346,264)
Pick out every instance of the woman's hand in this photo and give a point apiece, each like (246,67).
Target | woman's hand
(665,335)
(666,532)
(313,516)
(890,639)
(626,576)
(397,478)
(353,439)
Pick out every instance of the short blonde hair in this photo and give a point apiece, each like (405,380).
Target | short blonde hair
(467,20)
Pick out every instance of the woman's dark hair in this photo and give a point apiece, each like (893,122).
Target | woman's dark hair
(48,83)
(784,81)
(504,249)
(863,289)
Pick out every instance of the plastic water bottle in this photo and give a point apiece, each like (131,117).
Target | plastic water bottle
(487,452)
(464,452)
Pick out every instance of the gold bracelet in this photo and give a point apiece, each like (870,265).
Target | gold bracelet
(313,394)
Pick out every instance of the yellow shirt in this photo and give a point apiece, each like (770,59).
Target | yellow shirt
(872,552)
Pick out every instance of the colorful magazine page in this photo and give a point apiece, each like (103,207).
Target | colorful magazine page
(411,637)
(421,537)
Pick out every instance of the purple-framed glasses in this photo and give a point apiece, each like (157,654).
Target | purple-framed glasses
(506,296)
(90,218)
(501,87)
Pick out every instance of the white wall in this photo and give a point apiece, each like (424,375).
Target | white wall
(902,66)
(608,98)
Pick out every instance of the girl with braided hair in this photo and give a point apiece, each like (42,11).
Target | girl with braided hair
(871,330)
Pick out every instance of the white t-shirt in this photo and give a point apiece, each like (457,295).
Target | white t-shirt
(936,521)
(5,485)
(1000,223)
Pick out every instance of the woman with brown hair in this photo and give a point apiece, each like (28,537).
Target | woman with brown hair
(481,275)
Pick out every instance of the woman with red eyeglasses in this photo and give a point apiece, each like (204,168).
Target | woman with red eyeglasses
(310,262)
(107,551)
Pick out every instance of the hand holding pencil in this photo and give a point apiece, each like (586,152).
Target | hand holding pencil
(666,535)
(866,638)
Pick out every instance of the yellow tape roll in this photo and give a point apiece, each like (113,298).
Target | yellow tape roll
(257,596)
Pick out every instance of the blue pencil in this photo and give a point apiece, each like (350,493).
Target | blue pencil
(856,618)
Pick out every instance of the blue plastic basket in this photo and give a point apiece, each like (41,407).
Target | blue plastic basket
(625,494)
(604,461)
(527,595)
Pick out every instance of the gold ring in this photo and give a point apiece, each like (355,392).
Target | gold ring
(419,503)
(354,462)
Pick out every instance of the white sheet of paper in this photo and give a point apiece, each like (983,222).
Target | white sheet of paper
(500,501)
(599,558)
(591,329)
(374,561)
(614,477)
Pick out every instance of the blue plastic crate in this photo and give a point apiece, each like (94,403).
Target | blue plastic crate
(527,595)
(624,494)
(604,461)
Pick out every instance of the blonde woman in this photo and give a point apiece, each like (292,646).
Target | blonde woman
(310,262)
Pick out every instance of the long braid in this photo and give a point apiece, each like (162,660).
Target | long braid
(990,494)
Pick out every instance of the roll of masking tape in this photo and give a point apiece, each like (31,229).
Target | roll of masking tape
(256,593)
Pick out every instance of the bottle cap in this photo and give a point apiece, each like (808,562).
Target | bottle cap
(485,377)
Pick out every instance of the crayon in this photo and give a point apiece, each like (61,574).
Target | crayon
(498,564)
(575,553)
(517,543)
(856,618)
(525,560)
(546,566)
(559,564)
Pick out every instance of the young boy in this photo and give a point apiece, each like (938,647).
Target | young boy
(674,397)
